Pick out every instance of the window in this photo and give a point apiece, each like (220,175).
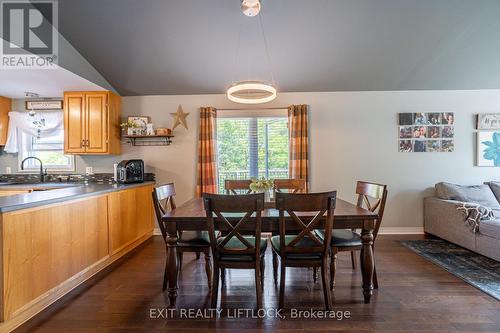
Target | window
(252,146)
(49,149)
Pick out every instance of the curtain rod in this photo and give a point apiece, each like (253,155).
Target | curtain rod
(251,109)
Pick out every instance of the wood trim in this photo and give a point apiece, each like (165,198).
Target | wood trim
(401,231)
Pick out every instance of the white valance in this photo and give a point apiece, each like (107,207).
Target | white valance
(22,122)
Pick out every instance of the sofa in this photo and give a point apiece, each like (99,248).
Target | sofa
(443,219)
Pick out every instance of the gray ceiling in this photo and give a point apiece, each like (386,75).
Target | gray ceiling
(145,47)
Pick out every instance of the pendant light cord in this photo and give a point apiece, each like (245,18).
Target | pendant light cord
(266,49)
(236,55)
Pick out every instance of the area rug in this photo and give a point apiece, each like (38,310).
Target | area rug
(475,269)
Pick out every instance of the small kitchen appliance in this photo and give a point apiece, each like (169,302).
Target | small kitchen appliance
(130,171)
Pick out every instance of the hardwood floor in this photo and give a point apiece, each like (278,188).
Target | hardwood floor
(414,296)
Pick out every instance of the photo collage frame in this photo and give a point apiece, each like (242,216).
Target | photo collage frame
(426,132)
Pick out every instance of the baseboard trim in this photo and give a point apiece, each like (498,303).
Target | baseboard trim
(401,231)
(382,231)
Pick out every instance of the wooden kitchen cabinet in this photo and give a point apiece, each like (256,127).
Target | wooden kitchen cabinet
(5,108)
(46,251)
(91,123)
(130,216)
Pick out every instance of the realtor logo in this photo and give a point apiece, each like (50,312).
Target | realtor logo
(29,34)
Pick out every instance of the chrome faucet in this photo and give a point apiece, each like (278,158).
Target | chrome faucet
(42,173)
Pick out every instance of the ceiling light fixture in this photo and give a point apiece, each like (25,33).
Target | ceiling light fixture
(250,91)
(251,7)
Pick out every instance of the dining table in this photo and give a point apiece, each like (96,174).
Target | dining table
(192,216)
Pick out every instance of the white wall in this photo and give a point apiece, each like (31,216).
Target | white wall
(353,136)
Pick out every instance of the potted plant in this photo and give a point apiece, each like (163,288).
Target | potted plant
(262,185)
(131,127)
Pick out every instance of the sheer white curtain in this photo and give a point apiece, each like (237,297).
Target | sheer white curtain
(22,122)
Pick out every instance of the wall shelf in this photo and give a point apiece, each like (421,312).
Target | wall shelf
(149,140)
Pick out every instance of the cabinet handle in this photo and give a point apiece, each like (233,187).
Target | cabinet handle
(88,143)
(83,143)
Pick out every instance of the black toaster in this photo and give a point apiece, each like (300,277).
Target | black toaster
(130,171)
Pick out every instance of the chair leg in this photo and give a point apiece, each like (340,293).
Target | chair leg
(215,287)
(165,277)
(208,268)
(375,280)
(282,285)
(315,274)
(275,266)
(223,276)
(333,268)
(258,289)
(179,258)
(197,255)
(326,289)
(353,259)
(262,269)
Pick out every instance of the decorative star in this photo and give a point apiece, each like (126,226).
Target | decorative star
(179,118)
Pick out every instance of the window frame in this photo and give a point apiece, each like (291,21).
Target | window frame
(22,154)
(248,113)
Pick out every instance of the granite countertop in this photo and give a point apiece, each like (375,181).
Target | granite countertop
(50,195)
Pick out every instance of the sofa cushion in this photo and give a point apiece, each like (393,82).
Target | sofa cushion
(495,188)
(480,194)
(490,228)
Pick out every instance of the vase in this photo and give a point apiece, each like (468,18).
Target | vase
(267,196)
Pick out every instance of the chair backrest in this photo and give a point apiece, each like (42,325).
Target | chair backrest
(237,186)
(163,200)
(319,203)
(372,196)
(224,213)
(292,185)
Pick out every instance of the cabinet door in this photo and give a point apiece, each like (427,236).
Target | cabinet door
(74,122)
(5,108)
(130,216)
(97,123)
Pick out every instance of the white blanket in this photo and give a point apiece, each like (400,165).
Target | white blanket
(475,213)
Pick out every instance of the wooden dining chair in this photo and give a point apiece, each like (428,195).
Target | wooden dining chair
(188,241)
(373,197)
(292,185)
(237,186)
(304,249)
(233,214)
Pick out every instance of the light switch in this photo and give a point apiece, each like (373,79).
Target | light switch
(88,170)
(8,170)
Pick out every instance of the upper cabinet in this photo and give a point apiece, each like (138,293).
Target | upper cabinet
(92,123)
(5,108)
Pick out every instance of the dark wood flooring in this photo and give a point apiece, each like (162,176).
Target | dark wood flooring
(414,296)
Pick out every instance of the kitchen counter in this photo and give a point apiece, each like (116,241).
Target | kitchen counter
(45,194)
(55,236)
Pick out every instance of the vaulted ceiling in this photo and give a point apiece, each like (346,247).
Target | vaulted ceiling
(145,47)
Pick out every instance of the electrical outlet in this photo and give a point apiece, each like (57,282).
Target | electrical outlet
(88,170)
(8,170)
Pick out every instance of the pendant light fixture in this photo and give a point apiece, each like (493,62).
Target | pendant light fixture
(250,91)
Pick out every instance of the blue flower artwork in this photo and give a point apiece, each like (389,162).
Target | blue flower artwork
(491,149)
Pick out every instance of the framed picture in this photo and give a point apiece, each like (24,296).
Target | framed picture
(139,121)
(44,105)
(423,132)
(488,148)
(405,146)
(488,121)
